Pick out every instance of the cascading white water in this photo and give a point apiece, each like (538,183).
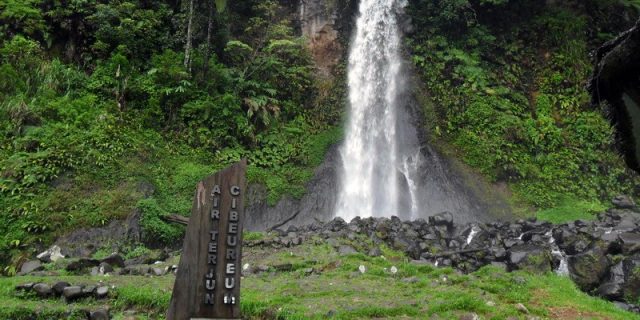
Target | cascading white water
(372,163)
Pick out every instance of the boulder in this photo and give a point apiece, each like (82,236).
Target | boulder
(623,202)
(629,242)
(99,315)
(135,270)
(336,224)
(114,260)
(532,258)
(72,293)
(29,266)
(442,219)
(25,287)
(587,268)
(81,264)
(43,290)
(611,288)
(58,288)
(88,290)
(158,271)
(631,287)
(346,250)
(102,292)
(52,254)
(375,252)
(105,268)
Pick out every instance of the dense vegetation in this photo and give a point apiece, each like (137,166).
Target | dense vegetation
(107,107)
(104,111)
(507,79)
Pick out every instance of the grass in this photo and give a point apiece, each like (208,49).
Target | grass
(335,289)
(571,209)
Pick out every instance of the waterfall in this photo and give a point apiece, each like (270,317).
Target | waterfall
(556,252)
(372,163)
(388,168)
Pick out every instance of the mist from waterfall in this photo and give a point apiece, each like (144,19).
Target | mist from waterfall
(373,164)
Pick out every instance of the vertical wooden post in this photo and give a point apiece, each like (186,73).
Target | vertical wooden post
(207,284)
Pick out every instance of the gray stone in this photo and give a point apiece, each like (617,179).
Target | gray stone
(52,254)
(333,242)
(114,260)
(158,271)
(410,280)
(520,307)
(72,293)
(135,270)
(623,202)
(442,219)
(375,252)
(25,287)
(59,287)
(99,315)
(629,242)
(83,263)
(469,316)
(105,268)
(43,290)
(529,257)
(346,250)
(88,290)
(30,266)
(612,287)
(102,292)
(586,269)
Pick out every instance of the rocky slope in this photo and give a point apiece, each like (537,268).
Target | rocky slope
(602,256)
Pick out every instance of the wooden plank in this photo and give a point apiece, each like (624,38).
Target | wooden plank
(207,284)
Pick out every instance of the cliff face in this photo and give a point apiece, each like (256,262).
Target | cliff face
(318,25)
(327,25)
(451,187)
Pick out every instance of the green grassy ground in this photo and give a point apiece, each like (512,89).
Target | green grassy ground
(323,284)
(571,209)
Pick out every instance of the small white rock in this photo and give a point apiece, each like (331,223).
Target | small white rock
(245,267)
(362,269)
(393,270)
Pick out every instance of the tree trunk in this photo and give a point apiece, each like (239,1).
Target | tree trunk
(187,50)
(207,52)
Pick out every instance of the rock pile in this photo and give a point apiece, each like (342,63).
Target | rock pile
(63,289)
(602,257)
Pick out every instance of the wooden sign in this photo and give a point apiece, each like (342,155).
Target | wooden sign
(207,283)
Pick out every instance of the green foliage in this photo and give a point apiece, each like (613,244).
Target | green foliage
(154,229)
(510,97)
(138,251)
(95,100)
(22,16)
(571,210)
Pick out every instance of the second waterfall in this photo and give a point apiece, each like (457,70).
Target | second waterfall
(375,165)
